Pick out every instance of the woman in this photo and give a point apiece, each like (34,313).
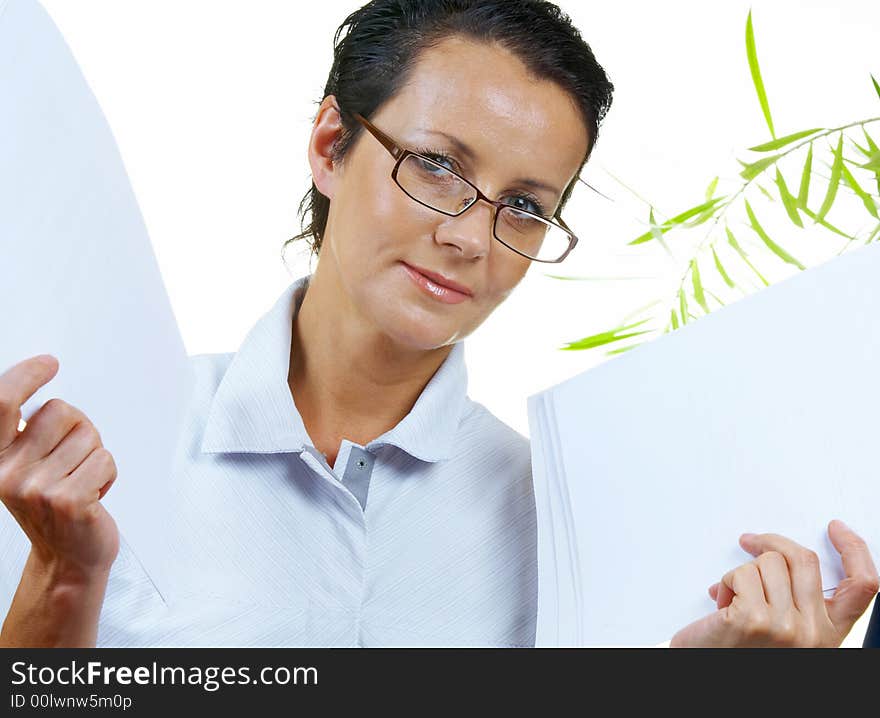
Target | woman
(334,484)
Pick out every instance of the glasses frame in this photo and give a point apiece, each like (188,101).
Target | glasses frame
(400,153)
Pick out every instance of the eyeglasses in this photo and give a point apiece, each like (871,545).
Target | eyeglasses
(439,188)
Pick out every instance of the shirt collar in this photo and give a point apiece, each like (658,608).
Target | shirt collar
(253,411)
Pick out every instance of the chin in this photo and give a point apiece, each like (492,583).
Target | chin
(419,339)
(409,321)
(418,335)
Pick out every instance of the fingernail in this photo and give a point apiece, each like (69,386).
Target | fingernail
(747,537)
(843,524)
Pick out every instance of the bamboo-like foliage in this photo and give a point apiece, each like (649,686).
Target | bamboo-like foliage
(850,157)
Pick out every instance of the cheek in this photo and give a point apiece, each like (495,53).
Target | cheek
(384,200)
(362,229)
(506,271)
(381,221)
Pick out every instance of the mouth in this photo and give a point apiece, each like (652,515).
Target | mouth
(438,286)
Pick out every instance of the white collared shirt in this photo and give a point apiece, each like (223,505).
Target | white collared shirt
(426,536)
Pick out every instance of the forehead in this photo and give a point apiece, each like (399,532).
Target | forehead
(485,95)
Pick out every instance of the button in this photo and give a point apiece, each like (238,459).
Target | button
(361,463)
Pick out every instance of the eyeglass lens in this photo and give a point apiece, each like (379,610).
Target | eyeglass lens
(434,185)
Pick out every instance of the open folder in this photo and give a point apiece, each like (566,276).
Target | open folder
(79,280)
(761,417)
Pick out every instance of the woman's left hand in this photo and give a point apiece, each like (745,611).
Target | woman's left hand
(777,599)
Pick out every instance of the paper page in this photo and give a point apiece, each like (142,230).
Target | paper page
(758,418)
(78,279)
(547,628)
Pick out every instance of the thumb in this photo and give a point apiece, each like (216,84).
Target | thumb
(855,592)
(17,385)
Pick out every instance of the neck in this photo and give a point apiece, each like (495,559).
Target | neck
(348,378)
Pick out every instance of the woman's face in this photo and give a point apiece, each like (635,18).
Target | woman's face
(517,128)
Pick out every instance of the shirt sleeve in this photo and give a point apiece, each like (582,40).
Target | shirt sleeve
(14,549)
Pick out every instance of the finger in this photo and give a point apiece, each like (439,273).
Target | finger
(803,568)
(17,385)
(745,582)
(720,628)
(93,478)
(854,553)
(47,429)
(773,569)
(724,596)
(855,592)
(751,589)
(713,591)
(81,441)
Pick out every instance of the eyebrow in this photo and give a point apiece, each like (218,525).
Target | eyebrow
(469,152)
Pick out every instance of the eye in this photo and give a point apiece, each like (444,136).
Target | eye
(440,157)
(528,204)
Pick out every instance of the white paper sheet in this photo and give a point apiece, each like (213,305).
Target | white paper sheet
(78,279)
(761,417)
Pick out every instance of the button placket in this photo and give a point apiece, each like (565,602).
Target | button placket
(310,457)
(358,471)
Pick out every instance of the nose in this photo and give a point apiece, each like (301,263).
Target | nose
(470,231)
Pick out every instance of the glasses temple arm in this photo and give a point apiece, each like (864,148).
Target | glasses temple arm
(389,144)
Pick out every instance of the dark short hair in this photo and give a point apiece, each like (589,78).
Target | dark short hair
(376,47)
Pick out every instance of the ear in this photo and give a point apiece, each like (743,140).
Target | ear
(325,132)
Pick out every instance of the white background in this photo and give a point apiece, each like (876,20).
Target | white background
(211,103)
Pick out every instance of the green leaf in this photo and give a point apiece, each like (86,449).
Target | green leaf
(657,234)
(656,231)
(621,350)
(826,224)
(783,141)
(649,235)
(874,233)
(873,157)
(771,245)
(701,218)
(677,220)
(646,307)
(727,280)
(674,320)
(698,286)
(753,169)
(714,296)
(804,191)
(682,306)
(710,190)
(867,200)
(733,243)
(597,340)
(876,86)
(872,164)
(834,182)
(752,54)
(766,193)
(788,201)
(861,149)
(688,213)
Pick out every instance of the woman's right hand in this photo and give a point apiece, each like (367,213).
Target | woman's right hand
(53,475)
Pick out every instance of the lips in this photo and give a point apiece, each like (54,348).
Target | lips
(441,280)
(430,288)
